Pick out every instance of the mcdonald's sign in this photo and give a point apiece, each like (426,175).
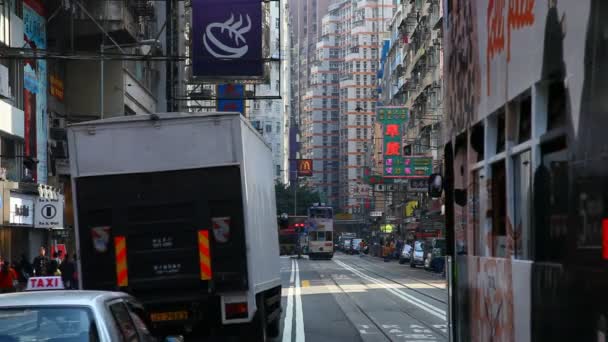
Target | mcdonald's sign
(304,167)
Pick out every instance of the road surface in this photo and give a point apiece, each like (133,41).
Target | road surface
(353,298)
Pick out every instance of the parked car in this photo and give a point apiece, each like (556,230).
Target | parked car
(355,247)
(406,254)
(417,258)
(74,316)
(347,245)
(434,255)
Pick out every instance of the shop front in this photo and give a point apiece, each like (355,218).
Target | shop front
(30,215)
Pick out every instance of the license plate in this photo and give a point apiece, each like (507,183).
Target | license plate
(169,316)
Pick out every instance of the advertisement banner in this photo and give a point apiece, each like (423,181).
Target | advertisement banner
(230,98)
(35,88)
(304,167)
(393,156)
(227,38)
(21,209)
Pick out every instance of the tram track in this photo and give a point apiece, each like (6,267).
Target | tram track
(367,269)
(361,280)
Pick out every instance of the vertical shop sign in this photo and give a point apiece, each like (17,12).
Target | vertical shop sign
(35,88)
(393,119)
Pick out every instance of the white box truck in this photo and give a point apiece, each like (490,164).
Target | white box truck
(179,210)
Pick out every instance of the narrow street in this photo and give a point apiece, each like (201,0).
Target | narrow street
(353,298)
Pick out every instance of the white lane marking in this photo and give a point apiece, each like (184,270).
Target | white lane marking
(433,310)
(300,337)
(287,325)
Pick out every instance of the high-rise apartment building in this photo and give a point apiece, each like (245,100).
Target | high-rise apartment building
(305,31)
(361,27)
(320,115)
(269,114)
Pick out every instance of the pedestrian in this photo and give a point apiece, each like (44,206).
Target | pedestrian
(67,268)
(41,263)
(361,248)
(53,268)
(59,257)
(8,277)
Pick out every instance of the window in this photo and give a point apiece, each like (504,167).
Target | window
(123,321)
(278,170)
(140,319)
(499,212)
(268,128)
(48,324)
(277,20)
(523,195)
(256,105)
(278,127)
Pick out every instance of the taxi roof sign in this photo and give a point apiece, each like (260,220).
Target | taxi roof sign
(44,284)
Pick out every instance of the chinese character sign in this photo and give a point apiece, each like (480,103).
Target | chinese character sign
(408,167)
(387,114)
(392,132)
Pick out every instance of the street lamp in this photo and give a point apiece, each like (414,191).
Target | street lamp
(148,43)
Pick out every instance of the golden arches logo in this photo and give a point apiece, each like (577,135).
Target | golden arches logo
(305,167)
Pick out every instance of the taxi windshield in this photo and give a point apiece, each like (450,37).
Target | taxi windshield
(49,324)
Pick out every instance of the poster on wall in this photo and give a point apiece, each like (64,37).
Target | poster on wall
(21,209)
(35,88)
(227,38)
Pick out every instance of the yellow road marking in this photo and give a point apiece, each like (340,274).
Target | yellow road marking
(305,283)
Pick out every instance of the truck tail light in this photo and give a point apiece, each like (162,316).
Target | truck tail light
(329,244)
(204,254)
(236,310)
(120,247)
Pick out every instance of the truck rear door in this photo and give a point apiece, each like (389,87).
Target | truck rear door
(153,234)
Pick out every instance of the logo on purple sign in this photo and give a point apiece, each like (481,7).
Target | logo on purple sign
(227,38)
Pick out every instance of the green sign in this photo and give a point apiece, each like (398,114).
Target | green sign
(392,133)
(408,167)
(385,114)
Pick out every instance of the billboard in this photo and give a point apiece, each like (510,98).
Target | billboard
(304,167)
(230,98)
(35,88)
(227,38)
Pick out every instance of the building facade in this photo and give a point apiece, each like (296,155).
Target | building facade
(362,27)
(525,146)
(412,77)
(66,82)
(320,117)
(270,114)
(304,31)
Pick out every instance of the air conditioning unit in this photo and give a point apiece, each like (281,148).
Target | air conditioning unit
(379,187)
(391,187)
